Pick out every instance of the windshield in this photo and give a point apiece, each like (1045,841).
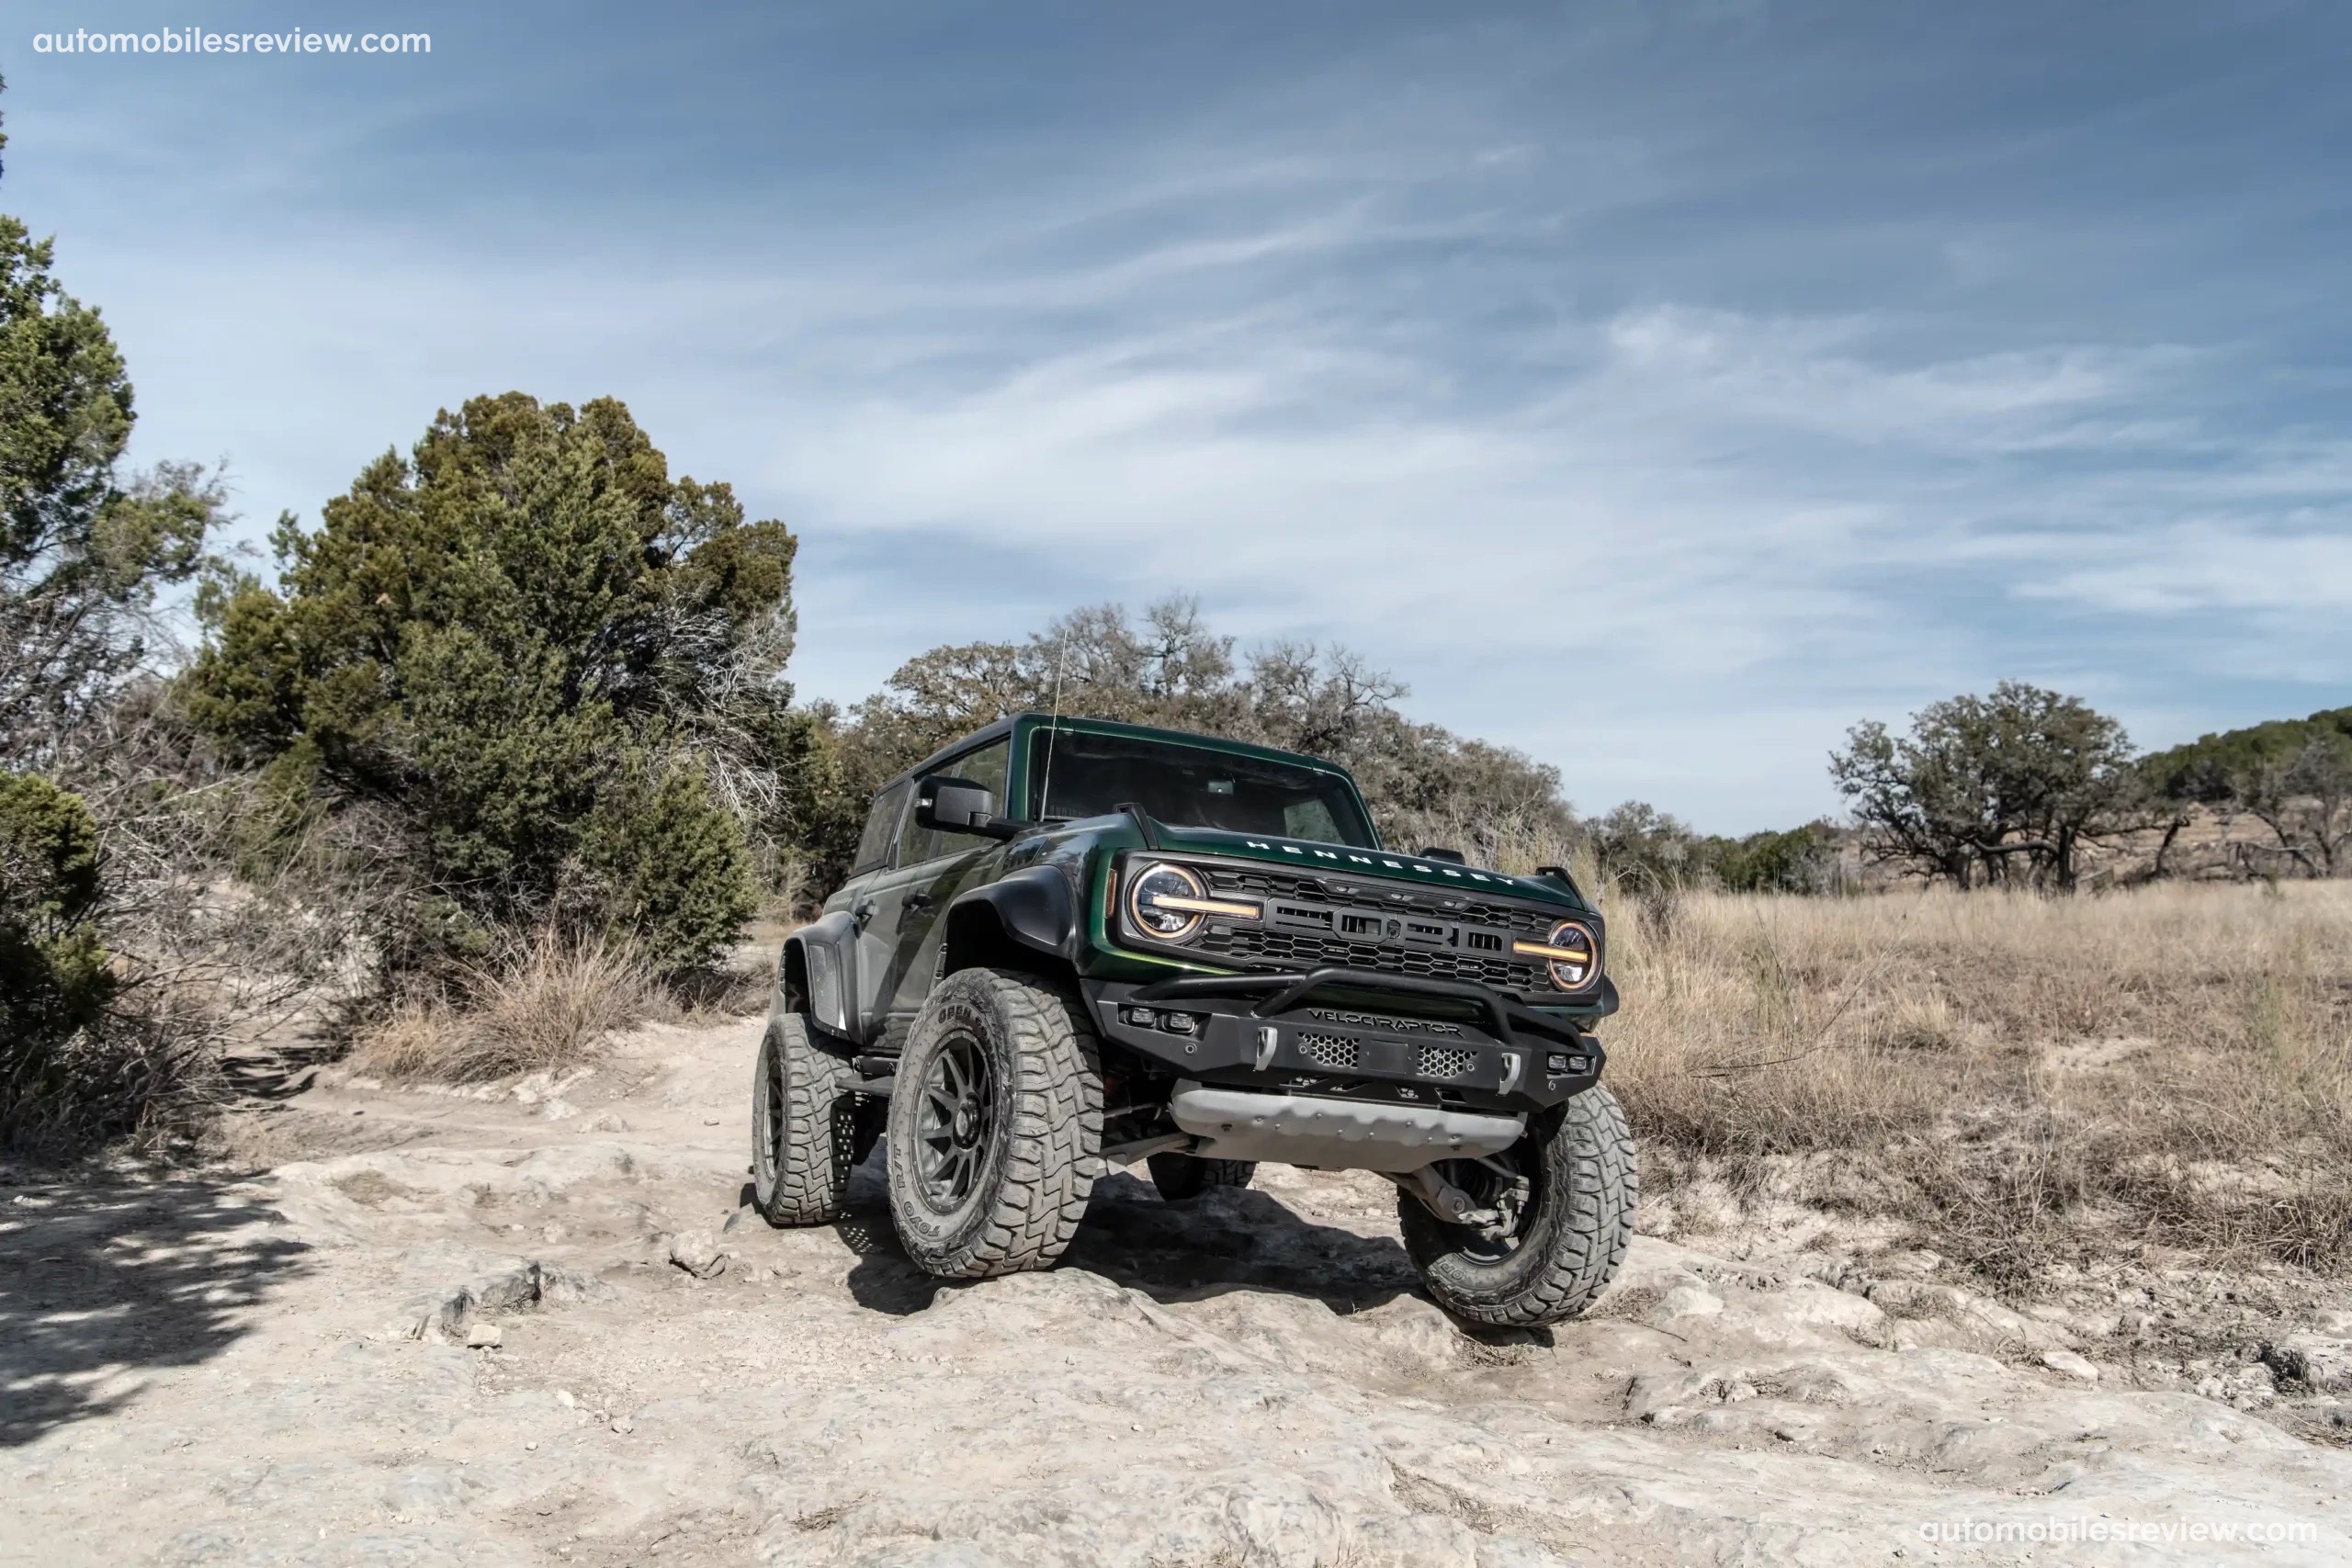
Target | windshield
(1192,786)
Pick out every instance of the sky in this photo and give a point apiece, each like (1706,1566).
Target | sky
(1657,388)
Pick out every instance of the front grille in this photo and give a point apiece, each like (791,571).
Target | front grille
(1444,1062)
(1337,919)
(1302,949)
(1329,1051)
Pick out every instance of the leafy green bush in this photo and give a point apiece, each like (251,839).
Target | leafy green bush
(658,858)
(54,979)
(1801,859)
(559,669)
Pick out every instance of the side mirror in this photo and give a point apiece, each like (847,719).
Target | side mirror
(1452,857)
(959,806)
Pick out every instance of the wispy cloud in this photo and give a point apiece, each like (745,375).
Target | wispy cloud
(1738,382)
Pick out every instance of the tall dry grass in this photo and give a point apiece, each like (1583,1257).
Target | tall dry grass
(2019,1077)
(543,1006)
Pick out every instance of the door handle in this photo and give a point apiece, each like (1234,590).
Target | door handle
(919,901)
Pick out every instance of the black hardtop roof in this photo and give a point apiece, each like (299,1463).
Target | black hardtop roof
(1005,724)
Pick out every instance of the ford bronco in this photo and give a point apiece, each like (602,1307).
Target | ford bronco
(1069,944)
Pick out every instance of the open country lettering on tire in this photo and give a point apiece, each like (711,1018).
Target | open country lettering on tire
(1071,944)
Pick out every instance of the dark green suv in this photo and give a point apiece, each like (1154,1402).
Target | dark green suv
(1070,943)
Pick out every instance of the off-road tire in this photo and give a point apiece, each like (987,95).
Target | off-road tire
(1043,1152)
(1579,1226)
(1181,1177)
(803,1127)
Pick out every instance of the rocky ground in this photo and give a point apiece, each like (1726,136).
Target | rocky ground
(534,1324)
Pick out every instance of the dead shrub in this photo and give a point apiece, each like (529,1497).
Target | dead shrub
(733,989)
(544,1007)
(2019,1077)
(145,1078)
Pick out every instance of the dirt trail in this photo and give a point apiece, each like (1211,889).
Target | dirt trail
(277,1371)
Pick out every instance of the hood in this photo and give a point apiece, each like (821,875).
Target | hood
(1387,864)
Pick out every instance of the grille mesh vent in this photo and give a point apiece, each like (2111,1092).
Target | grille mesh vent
(1350,929)
(1305,950)
(1327,1050)
(1444,1062)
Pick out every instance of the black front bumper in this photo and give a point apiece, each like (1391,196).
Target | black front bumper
(1286,1034)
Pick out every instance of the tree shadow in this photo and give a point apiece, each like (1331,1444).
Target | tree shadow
(1226,1239)
(103,1281)
(270,1072)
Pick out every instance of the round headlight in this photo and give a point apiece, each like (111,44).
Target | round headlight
(1578,957)
(1149,917)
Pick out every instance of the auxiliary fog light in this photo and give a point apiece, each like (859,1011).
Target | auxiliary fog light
(1167,1023)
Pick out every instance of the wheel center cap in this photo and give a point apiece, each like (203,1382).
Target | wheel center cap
(965,1128)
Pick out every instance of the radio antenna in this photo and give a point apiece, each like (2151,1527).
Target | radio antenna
(1053,729)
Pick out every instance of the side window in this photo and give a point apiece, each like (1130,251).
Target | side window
(881,827)
(985,767)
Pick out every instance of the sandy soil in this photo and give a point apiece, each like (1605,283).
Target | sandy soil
(277,1370)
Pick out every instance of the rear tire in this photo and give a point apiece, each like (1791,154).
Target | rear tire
(996,1126)
(803,1127)
(1181,1177)
(1573,1230)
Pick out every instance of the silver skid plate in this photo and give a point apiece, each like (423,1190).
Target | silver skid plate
(1336,1134)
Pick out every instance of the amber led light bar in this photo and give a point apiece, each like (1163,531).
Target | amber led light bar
(1202,906)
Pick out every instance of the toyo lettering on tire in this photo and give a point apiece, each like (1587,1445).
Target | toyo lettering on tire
(995,1126)
(804,1127)
(1566,1191)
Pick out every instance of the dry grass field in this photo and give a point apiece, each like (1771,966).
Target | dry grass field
(2162,1074)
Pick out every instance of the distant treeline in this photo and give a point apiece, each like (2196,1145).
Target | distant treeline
(2019,787)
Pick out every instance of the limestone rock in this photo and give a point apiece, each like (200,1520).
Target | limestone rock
(698,1253)
(2068,1364)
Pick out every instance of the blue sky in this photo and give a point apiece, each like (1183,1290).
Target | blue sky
(1657,388)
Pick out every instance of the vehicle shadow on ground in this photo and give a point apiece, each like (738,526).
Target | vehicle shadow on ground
(101,1283)
(1232,1239)
(1224,1240)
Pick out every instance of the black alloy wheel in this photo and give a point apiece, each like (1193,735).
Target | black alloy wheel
(954,1123)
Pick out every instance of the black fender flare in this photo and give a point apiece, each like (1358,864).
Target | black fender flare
(1012,923)
(820,972)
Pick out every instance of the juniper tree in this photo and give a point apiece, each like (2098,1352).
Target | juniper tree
(563,669)
(86,547)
